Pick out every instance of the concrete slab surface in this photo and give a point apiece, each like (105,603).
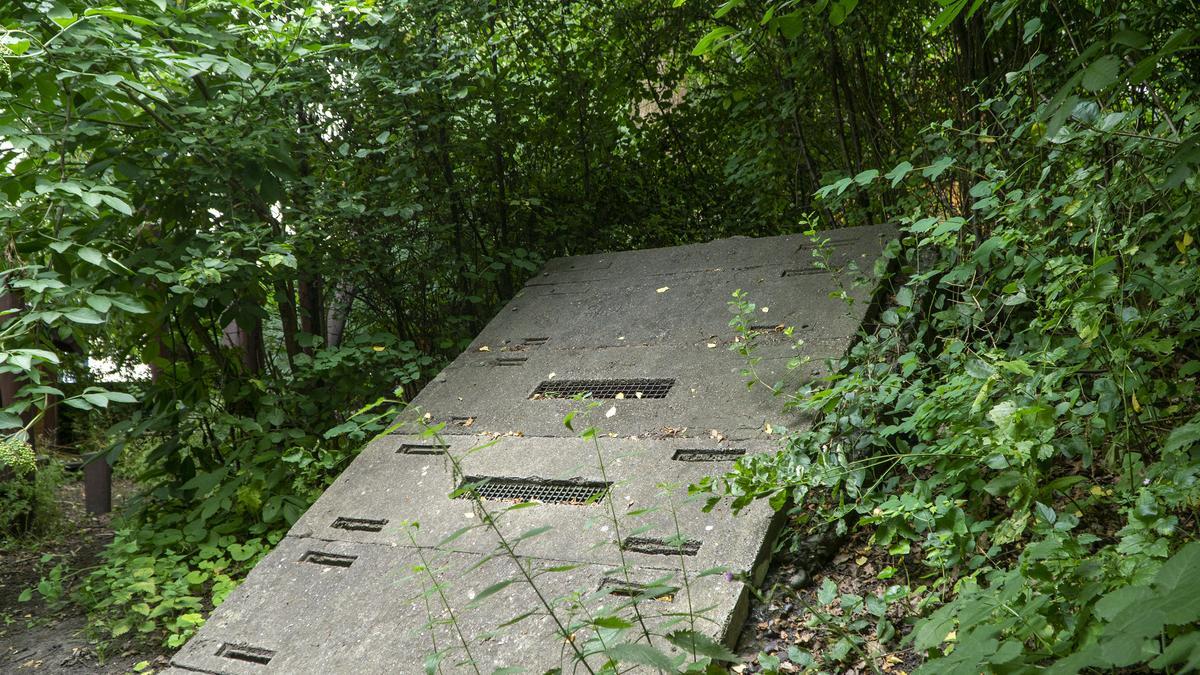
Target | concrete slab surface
(391,482)
(476,395)
(396,563)
(391,608)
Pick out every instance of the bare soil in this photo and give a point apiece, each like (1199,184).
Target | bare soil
(38,637)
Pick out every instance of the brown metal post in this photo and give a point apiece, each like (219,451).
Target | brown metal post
(97,486)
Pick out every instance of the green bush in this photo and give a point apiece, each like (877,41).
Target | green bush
(27,501)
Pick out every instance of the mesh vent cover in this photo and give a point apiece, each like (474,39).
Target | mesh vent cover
(575,492)
(627,389)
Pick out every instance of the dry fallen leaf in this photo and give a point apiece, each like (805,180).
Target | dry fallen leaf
(620,395)
(664,289)
(485,348)
(711,345)
(611,411)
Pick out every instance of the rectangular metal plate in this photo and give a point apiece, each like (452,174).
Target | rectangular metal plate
(360,524)
(574,492)
(626,389)
(422,449)
(708,454)
(328,559)
(655,546)
(246,653)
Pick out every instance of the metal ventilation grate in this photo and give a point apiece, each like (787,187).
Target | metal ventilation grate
(422,449)
(655,546)
(632,589)
(707,454)
(328,559)
(803,272)
(360,524)
(511,360)
(246,653)
(535,341)
(575,492)
(832,242)
(629,389)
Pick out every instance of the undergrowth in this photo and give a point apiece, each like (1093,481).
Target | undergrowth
(1023,426)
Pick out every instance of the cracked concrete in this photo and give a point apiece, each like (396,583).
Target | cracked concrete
(394,568)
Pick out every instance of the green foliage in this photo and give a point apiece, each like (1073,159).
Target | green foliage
(163,585)
(17,455)
(295,213)
(1023,420)
(27,491)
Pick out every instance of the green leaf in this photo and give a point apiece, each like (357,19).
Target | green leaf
(866,176)
(99,303)
(707,42)
(613,622)
(129,304)
(84,315)
(1101,73)
(120,397)
(702,645)
(490,591)
(119,15)
(1184,436)
(898,173)
(933,171)
(640,654)
(89,254)
(117,204)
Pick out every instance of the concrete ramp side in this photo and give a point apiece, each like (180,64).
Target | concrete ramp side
(396,569)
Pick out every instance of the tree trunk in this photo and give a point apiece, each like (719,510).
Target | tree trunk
(248,342)
(9,385)
(311,314)
(286,299)
(339,311)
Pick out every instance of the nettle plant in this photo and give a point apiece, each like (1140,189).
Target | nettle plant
(1022,423)
(604,630)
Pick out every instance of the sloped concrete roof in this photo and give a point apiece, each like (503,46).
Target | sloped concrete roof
(367,580)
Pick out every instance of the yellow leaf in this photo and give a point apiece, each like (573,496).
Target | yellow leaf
(861,560)
(1137,407)
(377,348)
(951,636)
(664,289)
(1097,490)
(1184,243)
(485,348)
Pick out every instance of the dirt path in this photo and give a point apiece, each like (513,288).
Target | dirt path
(37,637)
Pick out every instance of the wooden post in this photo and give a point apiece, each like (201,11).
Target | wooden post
(97,486)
